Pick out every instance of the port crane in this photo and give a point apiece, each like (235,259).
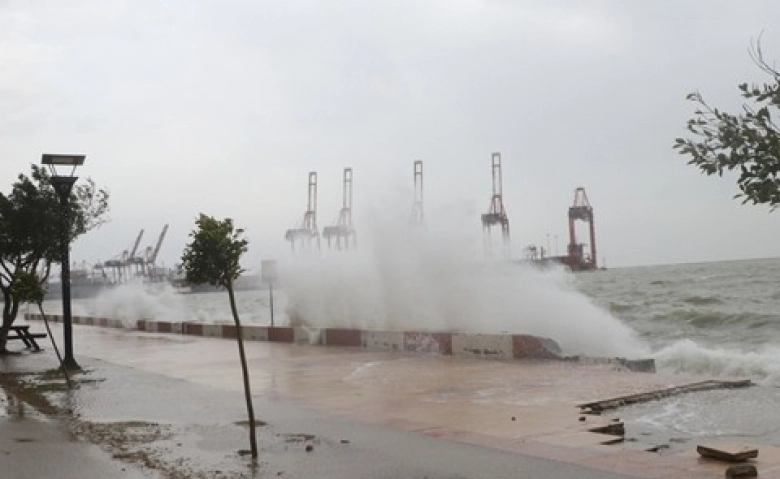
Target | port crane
(307,231)
(343,230)
(418,213)
(120,266)
(581,210)
(496,215)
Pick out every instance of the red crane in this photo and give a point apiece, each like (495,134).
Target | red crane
(496,214)
(581,210)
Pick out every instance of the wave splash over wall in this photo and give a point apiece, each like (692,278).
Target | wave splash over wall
(416,280)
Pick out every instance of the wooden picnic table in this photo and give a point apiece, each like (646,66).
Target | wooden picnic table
(23,333)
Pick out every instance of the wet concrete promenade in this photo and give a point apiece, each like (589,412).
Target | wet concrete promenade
(373,414)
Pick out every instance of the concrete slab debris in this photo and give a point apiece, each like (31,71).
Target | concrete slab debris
(728,452)
(741,470)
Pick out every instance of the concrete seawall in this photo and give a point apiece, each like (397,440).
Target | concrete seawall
(490,346)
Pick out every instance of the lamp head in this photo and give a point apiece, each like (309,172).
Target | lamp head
(53,161)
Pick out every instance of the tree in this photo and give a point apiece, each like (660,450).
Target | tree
(214,257)
(748,141)
(30,240)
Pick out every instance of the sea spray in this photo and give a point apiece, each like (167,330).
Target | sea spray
(136,300)
(401,279)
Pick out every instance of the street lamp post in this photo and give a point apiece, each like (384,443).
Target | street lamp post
(63,185)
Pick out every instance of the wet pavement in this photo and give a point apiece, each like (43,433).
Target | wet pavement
(170,404)
(33,446)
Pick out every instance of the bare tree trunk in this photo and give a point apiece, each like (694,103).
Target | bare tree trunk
(245,371)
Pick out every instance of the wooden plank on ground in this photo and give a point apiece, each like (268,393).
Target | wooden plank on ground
(597,407)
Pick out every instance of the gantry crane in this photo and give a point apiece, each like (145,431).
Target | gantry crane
(307,231)
(418,213)
(120,264)
(496,214)
(343,230)
(583,211)
(151,256)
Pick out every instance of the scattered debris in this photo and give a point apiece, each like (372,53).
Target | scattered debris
(728,452)
(658,448)
(613,429)
(741,470)
(298,437)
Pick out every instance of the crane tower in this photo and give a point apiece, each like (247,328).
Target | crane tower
(343,230)
(496,214)
(307,231)
(418,214)
(583,211)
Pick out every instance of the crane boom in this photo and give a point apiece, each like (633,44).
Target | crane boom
(159,244)
(135,245)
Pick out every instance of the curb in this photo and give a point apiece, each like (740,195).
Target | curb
(474,345)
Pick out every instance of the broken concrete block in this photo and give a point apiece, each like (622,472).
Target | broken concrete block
(728,452)
(741,470)
(614,429)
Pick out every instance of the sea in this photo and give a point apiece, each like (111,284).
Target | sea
(717,319)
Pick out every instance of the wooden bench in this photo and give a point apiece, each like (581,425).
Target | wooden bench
(23,333)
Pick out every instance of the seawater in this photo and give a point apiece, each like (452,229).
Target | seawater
(713,318)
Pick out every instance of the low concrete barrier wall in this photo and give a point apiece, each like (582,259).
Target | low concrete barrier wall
(495,346)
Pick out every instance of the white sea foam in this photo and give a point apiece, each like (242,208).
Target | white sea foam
(135,300)
(687,356)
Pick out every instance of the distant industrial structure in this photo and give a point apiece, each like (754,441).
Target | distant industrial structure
(496,215)
(307,234)
(581,210)
(579,256)
(418,212)
(126,266)
(343,231)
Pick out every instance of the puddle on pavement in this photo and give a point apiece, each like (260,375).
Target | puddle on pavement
(14,409)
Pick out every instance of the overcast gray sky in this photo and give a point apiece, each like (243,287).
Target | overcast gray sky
(223,107)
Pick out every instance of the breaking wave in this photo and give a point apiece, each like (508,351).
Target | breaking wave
(686,356)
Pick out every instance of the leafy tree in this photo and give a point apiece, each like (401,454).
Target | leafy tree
(214,257)
(30,239)
(748,140)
